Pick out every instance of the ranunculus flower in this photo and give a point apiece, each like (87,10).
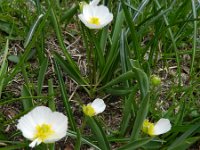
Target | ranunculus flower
(94,108)
(43,125)
(160,127)
(95,17)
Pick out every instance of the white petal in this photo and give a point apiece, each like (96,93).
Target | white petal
(162,126)
(107,19)
(26,130)
(59,124)
(94,2)
(100,11)
(89,25)
(35,143)
(27,125)
(88,11)
(41,114)
(98,105)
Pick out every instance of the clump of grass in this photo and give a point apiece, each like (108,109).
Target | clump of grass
(145,38)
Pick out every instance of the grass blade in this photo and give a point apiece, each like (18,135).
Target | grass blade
(132,31)
(99,133)
(113,53)
(127,111)
(27,103)
(183,137)
(84,140)
(41,75)
(135,144)
(32,30)
(51,102)
(65,97)
(126,76)
(140,117)
(194,36)
(4,66)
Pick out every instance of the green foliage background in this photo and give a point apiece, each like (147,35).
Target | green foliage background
(146,37)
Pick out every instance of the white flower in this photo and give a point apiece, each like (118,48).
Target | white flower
(95,17)
(161,127)
(43,125)
(94,108)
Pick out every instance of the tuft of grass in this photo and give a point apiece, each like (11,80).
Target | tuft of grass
(48,57)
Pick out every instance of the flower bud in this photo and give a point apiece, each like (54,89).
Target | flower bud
(155,80)
(81,4)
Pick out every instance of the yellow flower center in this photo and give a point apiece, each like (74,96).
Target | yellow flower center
(88,110)
(94,20)
(148,127)
(43,132)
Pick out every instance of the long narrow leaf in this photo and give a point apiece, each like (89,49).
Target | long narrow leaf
(4,66)
(65,97)
(32,30)
(183,137)
(141,116)
(27,103)
(99,133)
(41,75)
(135,144)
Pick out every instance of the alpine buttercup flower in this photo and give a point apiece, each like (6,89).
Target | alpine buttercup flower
(95,17)
(94,108)
(43,125)
(161,127)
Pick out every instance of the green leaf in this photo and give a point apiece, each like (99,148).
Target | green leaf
(27,50)
(185,144)
(181,140)
(4,67)
(126,115)
(99,133)
(51,102)
(41,76)
(126,76)
(140,117)
(119,90)
(71,72)
(68,15)
(65,97)
(133,32)
(13,58)
(135,144)
(142,80)
(27,103)
(114,51)
(14,147)
(83,139)
(32,30)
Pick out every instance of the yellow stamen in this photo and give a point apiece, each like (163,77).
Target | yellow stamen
(88,110)
(43,132)
(148,127)
(94,20)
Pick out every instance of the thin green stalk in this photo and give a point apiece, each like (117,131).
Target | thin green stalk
(194,37)
(173,42)
(60,37)
(132,31)
(51,102)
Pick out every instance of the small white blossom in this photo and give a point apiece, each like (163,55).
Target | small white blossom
(43,125)
(160,127)
(94,108)
(95,17)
